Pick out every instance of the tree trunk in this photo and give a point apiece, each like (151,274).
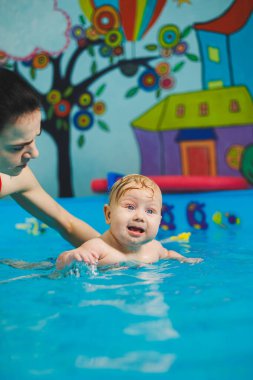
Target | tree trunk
(64,165)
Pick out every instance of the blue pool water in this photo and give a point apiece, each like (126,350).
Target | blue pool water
(163,321)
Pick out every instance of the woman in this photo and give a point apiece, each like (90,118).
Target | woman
(20,124)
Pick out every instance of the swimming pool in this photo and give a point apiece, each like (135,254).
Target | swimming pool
(163,321)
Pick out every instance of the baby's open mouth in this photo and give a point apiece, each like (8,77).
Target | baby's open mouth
(135,229)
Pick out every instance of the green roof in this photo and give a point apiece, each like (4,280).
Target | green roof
(163,116)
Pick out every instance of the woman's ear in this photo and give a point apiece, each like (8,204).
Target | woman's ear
(107,213)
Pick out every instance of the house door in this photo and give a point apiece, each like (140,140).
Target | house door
(198,157)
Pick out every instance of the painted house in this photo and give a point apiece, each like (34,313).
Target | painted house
(198,133)
(226,47)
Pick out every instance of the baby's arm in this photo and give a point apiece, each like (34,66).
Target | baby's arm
(169,254)
(83,253)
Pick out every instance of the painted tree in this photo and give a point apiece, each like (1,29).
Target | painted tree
(102,33)
(247,163)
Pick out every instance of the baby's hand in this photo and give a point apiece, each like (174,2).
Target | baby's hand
(192,260)
(78,254)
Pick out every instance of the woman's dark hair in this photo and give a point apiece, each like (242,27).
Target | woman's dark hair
(17,97)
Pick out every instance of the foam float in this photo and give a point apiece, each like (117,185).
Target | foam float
(180,184)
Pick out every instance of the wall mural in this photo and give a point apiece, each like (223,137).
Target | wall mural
(205,132)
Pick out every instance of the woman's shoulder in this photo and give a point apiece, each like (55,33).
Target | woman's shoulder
(16,184)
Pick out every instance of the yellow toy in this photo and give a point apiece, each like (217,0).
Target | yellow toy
(184,237)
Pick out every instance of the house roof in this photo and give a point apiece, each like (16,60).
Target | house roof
(163,116)
(231,20)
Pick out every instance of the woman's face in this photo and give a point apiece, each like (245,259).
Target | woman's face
(17,143)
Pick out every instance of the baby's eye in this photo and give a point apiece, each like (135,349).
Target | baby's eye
(130,207)
(149,211)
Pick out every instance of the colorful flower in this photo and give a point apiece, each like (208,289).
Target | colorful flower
(3,58)
(166,82)
(129,69)
(62,108)
(83,120)
(99,108)
(169,36)
(105,51)
(117,51)
(92,34)
(78,32)
(163,68)
(85,100)
(113,38)
(40,61)
(105,18)
(27,63)
(54,97)
(181,48)
(82,42)
(149,80)
(166,53)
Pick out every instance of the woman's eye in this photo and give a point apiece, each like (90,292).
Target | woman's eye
(17,148)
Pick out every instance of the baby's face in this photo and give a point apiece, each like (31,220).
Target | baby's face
(136,216)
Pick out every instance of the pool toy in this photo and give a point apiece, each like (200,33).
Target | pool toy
(32,226)
(168,219)
(226,219)
(196,215)
(183,237)
(180,184)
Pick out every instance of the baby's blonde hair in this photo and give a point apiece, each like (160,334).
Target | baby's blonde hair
(121,186)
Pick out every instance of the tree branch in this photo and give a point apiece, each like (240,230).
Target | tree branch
(138,61)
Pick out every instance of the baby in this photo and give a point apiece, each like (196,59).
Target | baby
(134,216)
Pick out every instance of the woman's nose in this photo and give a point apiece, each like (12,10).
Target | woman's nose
(32,151)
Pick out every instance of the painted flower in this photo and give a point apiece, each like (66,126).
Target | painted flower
(54,97)
(113,38)
(62,109)
(163,68)
(99,108)
(166,82)
(27,63)
(82,42)
(117,51)
(92,34)
(129,69)
(181,48)
(78,32)
(105,18)
(169,36)
(3,58)
(166,53)
(149,80)
(105,51)
(85,100)
(83,120)
(40,61)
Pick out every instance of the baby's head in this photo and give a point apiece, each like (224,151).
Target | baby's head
(134,181)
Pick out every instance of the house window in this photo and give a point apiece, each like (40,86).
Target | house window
(212,85)
(234,106)
(213,54)
(180,110)
(203,109)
